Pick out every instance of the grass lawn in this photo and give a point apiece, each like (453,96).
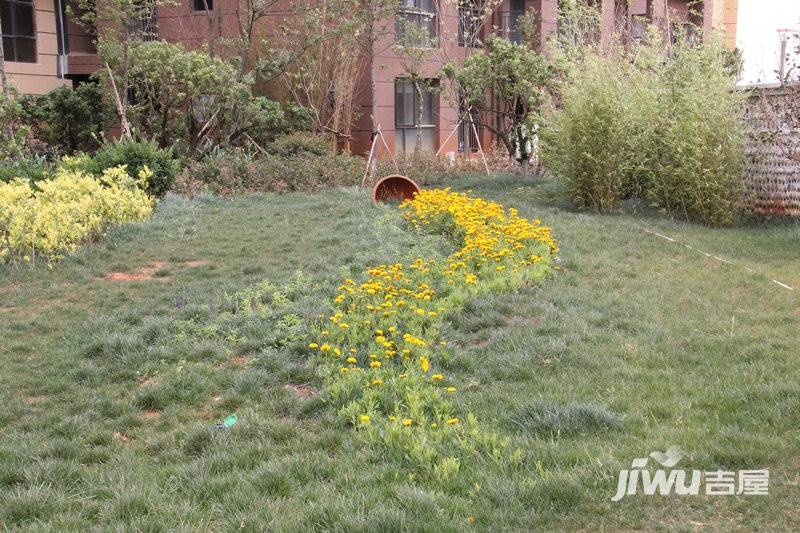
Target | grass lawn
(111,385)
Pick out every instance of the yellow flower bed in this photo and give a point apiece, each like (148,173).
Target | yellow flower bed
(66,210)
(378,349)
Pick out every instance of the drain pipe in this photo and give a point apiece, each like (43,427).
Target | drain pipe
(61,35)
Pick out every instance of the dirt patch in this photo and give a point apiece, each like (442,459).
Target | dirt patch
(124,439)
(303,391)
(145,381)
(196,263)
(150,414)
(32,400)
(140,274)
(8,288)
(8,309)
(239,360)
(205,413)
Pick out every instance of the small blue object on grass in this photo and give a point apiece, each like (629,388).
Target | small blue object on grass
(228,422)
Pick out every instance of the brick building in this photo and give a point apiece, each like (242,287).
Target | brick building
(45,50)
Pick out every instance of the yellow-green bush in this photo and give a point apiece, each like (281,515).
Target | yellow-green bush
(65,210)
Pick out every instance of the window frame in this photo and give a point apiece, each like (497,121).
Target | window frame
(466,135)
(472,41)
(399,123)
(12,35)
(202,6)
(418,13)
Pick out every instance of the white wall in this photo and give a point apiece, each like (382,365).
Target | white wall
(758,39)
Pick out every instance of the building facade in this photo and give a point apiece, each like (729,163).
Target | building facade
(45,50)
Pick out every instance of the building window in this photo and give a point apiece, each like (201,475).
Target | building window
(19,30)
(145,28)
(469,23)
(467,140)
(509,21)
(203,5)
(406,116)
(419,13)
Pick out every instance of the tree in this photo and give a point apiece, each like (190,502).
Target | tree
(120,23)
(3,81)
(320,54)
(505,86)
(188,96)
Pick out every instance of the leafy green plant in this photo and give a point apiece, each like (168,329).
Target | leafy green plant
(69,120)
(137,155)
(236,171)
(300,143)
(13,133)
(28,168)
(505,84)
(190,99)
(658,124)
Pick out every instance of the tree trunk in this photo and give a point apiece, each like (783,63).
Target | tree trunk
(3,80)
(372,78)
(420,114)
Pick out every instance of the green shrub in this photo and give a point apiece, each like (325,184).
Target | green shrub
(300,143)
(13,133)
(28,168)
(427,168)
(137,155)
(230,172)
(69,120)
(593,140)
(658,124)
(699,173)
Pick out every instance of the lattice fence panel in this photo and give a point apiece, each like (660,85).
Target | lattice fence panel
(773,167)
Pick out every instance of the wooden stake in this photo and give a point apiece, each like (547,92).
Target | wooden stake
(388,151)
(449,136)
(480,148)
(126,128)
(369,160)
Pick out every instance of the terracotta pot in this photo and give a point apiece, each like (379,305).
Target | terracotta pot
(394,187)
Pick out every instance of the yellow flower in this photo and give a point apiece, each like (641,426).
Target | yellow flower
(424,364)
(325,348)
(437,377)
(407,422)
(377,381)
(337,351)
(344,370)
(364,419)
(352,360)
(452,421)
(313,345)
(434,425)
(375,364)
